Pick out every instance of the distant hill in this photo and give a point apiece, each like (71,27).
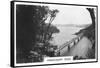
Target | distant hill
(73,25)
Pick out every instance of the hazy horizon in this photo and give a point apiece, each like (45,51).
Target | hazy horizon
(71,15)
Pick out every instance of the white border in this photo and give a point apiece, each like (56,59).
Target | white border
(43,63)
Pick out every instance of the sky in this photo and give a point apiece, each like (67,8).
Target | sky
(71,15)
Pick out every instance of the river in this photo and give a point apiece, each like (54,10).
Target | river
(66,33)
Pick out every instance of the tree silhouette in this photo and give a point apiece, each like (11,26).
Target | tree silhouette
(32,33)
(28,18)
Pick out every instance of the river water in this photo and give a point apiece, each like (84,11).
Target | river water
(66,33)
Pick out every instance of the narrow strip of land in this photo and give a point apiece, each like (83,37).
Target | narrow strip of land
(80,49)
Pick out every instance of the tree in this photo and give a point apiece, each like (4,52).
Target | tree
(89,32)
(44,35)
(32,33)
(28,19)
(92,15)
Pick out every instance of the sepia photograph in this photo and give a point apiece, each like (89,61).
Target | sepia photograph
(45,33)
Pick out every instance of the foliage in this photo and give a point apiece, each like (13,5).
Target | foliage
(32,33)
(91,53)
(89,32)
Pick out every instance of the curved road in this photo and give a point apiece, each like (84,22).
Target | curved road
(79,49)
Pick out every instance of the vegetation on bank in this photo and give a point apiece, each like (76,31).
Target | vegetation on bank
(89,32)
(33,33)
